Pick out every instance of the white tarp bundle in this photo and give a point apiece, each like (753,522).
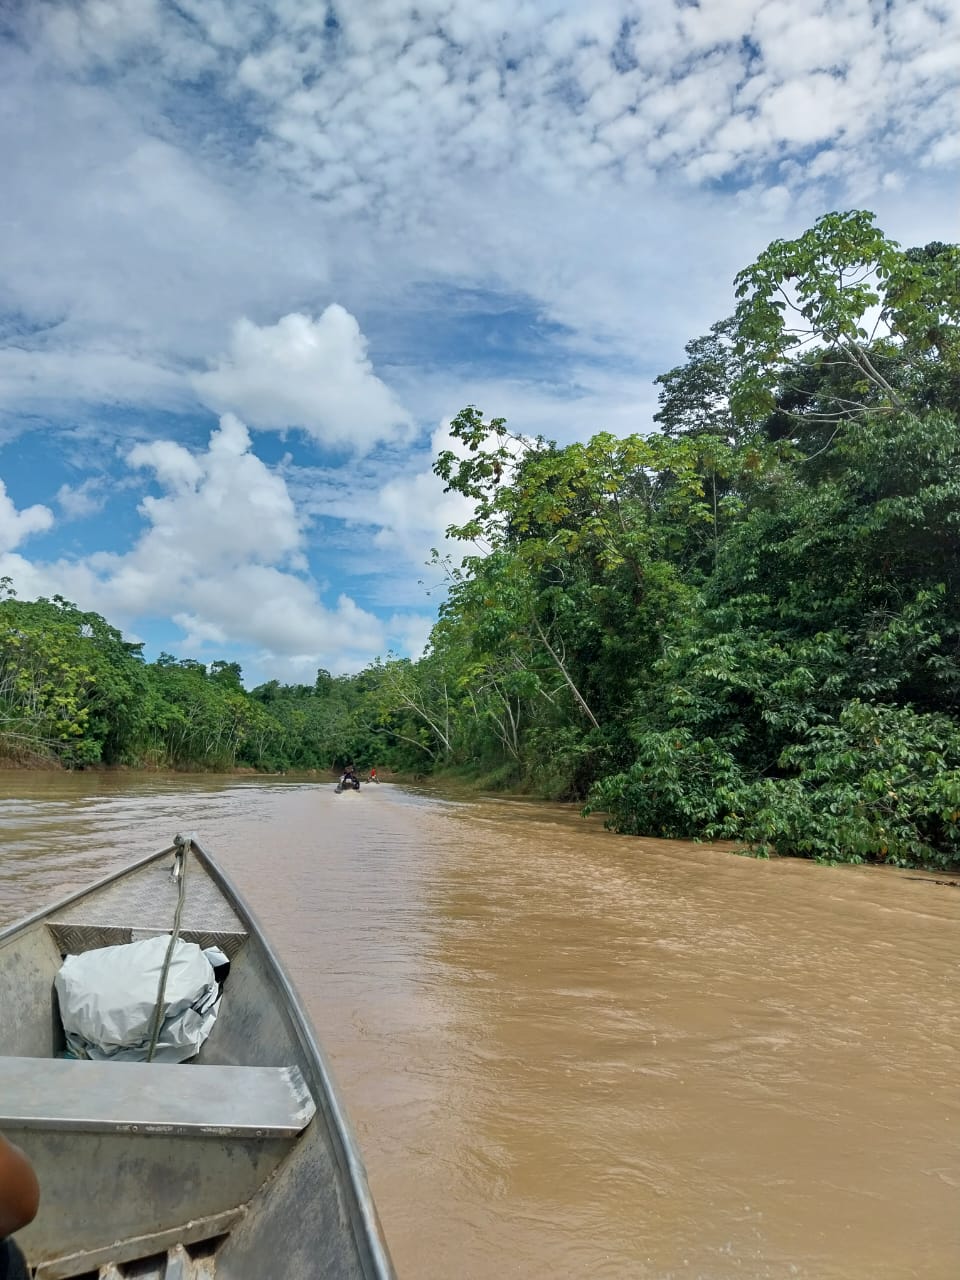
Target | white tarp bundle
(108,999)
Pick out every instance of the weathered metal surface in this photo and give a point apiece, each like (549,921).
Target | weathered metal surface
(207,1232)
(174,1265)
(286,1221)
(107,1185)
(141,1097)
(177,1264)
(98,1188)
(255,1026)
(74,939)
(29,1017)
(147,899)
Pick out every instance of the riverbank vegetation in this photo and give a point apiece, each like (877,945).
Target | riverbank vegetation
(745,625)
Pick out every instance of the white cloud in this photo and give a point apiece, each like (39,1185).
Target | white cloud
(409,633)
(84,499)
(47,378)
(128,256)
(86,34)
(16,525)
(95,30)
(223,509)
(805,110)
(564,76)
(554,150)
(414,513)
(222,555)
(945,151)
(175,465)
(308,373)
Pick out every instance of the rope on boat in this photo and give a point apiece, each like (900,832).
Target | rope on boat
(179,873)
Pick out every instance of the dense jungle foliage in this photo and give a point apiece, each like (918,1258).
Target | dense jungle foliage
(745,625)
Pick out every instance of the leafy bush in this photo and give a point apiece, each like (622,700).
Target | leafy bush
(881,784)
(677,786)
(878,784)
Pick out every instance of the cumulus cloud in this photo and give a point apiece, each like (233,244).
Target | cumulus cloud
(222,554)
(126,256)
(16,525)
(308,373)
(222,509)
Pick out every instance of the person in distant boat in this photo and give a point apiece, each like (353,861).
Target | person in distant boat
(373,775)
(19,1201)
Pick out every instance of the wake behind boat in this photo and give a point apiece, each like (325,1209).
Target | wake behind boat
(238,1164)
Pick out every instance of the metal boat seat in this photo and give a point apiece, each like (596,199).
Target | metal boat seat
(160,1098)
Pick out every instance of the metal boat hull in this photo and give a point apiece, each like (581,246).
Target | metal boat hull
(238,1165)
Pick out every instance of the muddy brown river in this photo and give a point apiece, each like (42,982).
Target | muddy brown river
(572,1054)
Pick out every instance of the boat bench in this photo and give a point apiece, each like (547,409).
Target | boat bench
(155,1097)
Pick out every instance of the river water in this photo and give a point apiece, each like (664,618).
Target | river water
(572,1054)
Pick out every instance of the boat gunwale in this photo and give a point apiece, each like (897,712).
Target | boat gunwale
(365,1224)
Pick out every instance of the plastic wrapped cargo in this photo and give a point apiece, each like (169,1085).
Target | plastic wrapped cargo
(108,1000)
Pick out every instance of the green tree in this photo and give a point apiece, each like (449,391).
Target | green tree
(70,685)
(845,289)
(695,397)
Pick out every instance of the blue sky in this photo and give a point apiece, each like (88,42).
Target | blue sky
(256,253)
